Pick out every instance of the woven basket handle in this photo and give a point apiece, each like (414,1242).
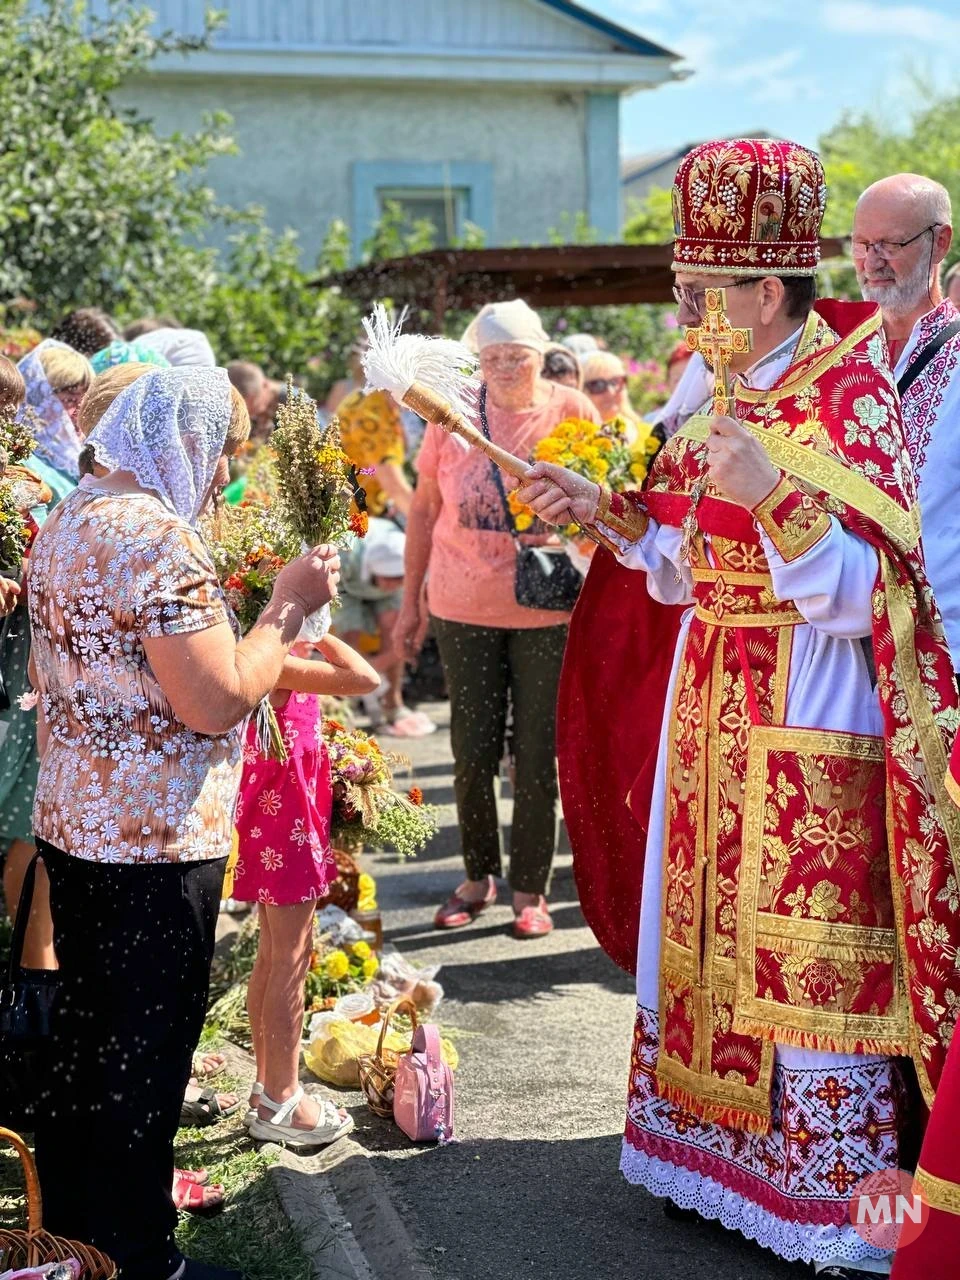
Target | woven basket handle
(404,1004)
(34,1203)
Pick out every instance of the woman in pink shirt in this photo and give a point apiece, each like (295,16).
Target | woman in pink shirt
(495,652)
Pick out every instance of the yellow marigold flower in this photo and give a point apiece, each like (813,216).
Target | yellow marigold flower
(337,966)
(371,968)
(361,950)
(367,891)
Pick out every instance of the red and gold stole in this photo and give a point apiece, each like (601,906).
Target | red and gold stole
(810,881)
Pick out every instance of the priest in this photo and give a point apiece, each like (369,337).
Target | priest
(901,234)
(796,943)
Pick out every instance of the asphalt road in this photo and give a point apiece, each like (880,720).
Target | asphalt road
(531,1187)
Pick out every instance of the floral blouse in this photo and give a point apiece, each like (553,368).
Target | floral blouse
(122,779)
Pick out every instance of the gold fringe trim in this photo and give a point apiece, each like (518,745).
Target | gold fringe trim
(790,944)
(714,1112)
(939,1193)
(892,1047)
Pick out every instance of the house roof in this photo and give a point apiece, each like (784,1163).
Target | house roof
(629,40)
(546,42)
(638,166)
(553,276)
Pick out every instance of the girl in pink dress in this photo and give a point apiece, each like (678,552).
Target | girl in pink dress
(285,865)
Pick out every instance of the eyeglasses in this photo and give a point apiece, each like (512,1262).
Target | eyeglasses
(693,298)
(599,386)
(887,248)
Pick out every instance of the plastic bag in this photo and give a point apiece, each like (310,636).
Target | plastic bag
(335,1044)
(398,977)
(335,924)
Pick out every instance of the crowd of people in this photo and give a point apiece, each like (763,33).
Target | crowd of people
(793,836)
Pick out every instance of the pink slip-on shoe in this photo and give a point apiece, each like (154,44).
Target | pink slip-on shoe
(457,912)
(533,922)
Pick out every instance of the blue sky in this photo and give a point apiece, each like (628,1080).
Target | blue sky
(758,65)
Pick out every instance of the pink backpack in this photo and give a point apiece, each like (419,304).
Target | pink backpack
(423,1097)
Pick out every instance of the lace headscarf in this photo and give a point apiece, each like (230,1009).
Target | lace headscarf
(182,347)
(57,439)
(168,428)
(121,352)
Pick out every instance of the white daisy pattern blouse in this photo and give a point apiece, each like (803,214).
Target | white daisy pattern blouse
(122,779)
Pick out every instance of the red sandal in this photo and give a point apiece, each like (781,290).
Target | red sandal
(191,1197)
(457,911)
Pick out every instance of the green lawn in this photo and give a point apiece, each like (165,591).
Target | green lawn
(251,1234)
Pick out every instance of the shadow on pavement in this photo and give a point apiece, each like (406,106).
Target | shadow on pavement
(497,1207)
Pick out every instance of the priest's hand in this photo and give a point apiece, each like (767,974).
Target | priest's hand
(737,465)
(559,496)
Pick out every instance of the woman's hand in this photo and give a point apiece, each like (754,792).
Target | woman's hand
(311,580)
(410,630)
(558,495)
(737,464)
(9,596)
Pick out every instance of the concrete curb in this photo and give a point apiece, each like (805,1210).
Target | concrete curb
(339,1207)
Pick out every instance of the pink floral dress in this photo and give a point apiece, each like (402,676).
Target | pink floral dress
(284,810)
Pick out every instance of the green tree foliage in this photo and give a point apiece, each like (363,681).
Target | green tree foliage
(86,213)
(650,221)
(861,149)
(262,305)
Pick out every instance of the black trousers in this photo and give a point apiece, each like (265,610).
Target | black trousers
(484,665)
(134,944)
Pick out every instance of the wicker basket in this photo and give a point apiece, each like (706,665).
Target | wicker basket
(378,1071)
(34,1247)
(344,892)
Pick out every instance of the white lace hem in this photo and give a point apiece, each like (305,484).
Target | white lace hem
(792,1241)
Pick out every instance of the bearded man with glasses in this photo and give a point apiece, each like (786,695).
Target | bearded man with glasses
(901,236)
(794,937)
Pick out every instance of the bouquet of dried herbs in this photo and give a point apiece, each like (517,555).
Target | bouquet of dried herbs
(249,545)
(318,489)
(16,437)
(14,531)
(367,808)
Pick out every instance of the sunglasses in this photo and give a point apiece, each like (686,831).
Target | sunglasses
(598,386)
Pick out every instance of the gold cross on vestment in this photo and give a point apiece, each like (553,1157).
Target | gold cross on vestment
(718,342)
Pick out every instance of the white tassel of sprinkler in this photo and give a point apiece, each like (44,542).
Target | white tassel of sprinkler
(435,377)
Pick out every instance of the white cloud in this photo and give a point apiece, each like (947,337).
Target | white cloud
(898,21)
(761,80)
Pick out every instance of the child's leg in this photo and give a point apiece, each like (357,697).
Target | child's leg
(281,1001)
(256,988)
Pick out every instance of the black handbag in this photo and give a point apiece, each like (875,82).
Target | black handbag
(26,1003)
(545,577)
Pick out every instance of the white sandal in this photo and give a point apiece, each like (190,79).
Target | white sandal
(255,1088)
(328,1128)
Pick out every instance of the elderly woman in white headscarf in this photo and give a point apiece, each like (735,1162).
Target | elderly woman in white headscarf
(183,348)
(496,653)
(55,378)
(143,689)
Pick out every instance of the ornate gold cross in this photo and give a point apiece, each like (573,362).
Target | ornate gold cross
(718,342)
